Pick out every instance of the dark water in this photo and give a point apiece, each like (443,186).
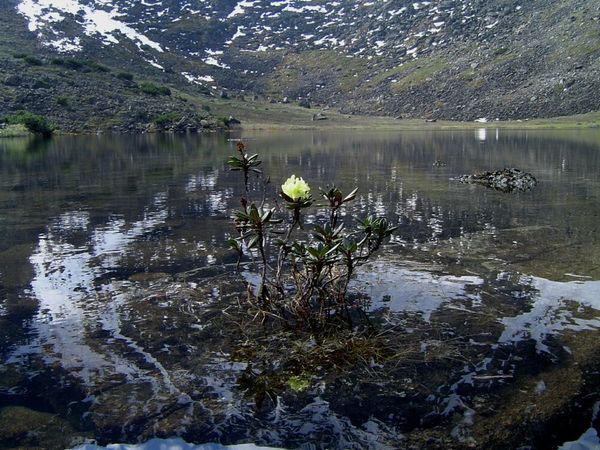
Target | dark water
(102,337)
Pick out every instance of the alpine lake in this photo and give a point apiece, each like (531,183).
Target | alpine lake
(122,317)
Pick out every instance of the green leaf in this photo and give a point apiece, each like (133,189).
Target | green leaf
(253,242)
(332,249)
(234,245)
(254,216)
(350,196)
(313,252)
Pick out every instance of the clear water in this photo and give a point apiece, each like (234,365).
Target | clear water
(113,273)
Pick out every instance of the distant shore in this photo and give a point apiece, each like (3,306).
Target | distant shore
(258,116)
(266,116)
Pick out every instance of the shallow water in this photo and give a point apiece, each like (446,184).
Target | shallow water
(107,335)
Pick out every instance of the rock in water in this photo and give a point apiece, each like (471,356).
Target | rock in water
(507,180)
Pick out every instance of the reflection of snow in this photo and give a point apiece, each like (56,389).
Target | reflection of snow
(588,441)
(218,203)
(436,223)
(549,312)
(64,284)
(172,444)
(217,199)
(318,419)
(202,182)
(408,289)
(223,377)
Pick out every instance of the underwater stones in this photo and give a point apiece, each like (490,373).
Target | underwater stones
(147,277)
(506,180)
(25,427)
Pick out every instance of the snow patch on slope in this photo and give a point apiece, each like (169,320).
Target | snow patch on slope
(42,14)
(240,8)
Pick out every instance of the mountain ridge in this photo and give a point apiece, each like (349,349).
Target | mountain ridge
(444,59)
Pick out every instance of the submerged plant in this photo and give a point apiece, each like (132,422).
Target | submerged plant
(304,274)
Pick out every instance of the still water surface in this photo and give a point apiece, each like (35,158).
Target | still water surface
(112,247)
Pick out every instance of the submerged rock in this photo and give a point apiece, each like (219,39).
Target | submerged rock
(506,180)
(23,427)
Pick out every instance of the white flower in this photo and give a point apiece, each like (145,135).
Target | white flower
(296,188)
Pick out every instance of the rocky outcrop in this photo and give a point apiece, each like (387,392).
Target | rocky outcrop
(506,180)
(77,101)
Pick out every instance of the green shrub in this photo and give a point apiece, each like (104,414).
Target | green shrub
(97,67)
(167,119)
(206,108)
(41,84)
(79,64)
(150,88)
(223,121)
(62,100)
(500,51)
(33,61)
(20,55)
(69,63)
(125,76)
(33,122)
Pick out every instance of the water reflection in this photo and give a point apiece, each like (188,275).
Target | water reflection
(65,279)
(382,279)
(554,308)
(100,235)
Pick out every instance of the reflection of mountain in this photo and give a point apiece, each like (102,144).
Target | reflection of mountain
(545,308)
(120,175)
(115,180)
(555,307)
(91,212)
(380,281)
(64,284)
(74,307)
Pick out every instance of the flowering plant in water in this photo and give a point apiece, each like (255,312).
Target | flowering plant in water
(304,274)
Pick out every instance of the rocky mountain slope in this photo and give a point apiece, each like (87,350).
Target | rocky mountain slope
(450,59)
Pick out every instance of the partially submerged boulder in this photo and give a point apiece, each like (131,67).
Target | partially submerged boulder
(506,180)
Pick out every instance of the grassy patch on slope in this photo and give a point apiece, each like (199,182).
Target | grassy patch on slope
(347,72)
(420,74)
